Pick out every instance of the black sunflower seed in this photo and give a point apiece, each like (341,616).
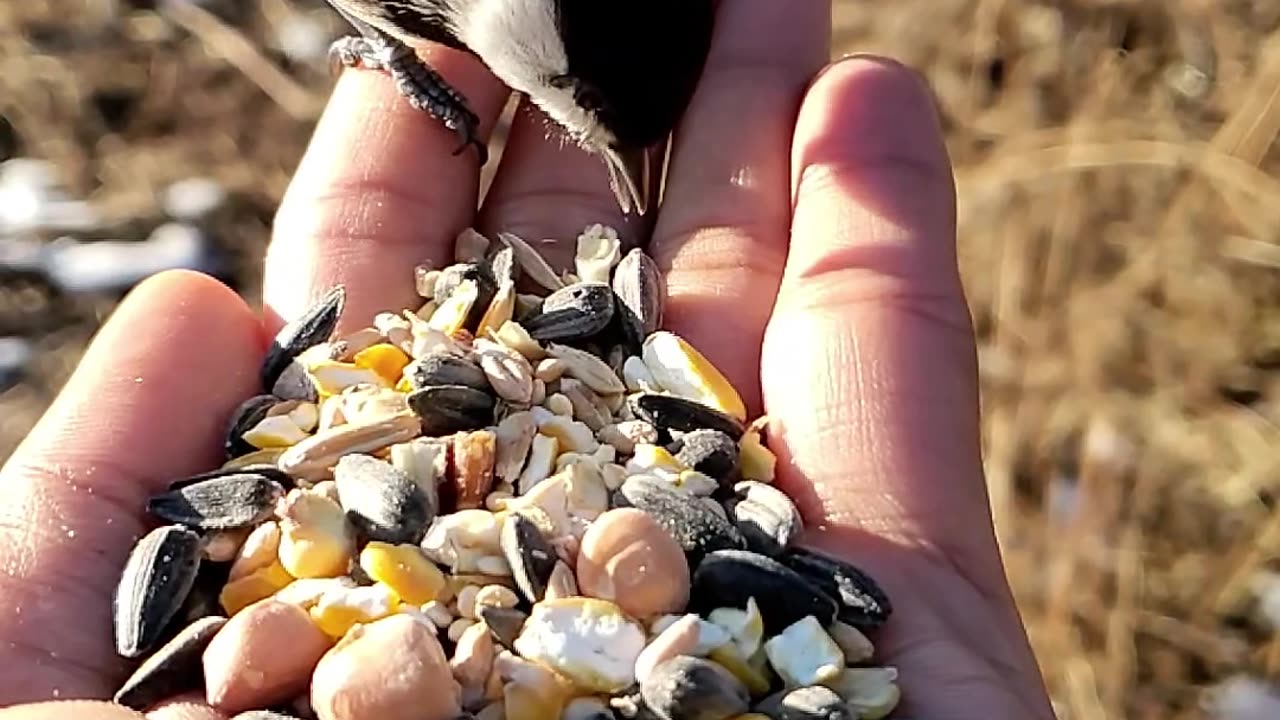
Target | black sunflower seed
(173,669)
(529,554)
(153,586)
(699,529)
(691,688)
(862,601)
(504,623)
(572,313)
(727,578)
(766,516)
(233,500)
(439,369)
(315,326)
(248,414)
(710,452)
(452,277)
(382,502)
(447,409)
(671,413)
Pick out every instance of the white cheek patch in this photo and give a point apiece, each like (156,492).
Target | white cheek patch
(519,41)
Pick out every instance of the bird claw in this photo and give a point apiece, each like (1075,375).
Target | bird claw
(421,86)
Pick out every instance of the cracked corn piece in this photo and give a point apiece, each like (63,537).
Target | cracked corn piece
(276,431)
(804,654)
(340,609)
(646,457)
(315,540)
(404,569)
(332,377)
(679,368)
(756,461)
(385,359)
(871,692)
(746,627)
(747,673)
(257,585)
(590,642)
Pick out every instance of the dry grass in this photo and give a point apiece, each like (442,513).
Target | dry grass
(1117,185)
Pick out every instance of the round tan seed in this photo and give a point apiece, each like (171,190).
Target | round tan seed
(627,557)
(497,596)
(264,655)
(458,627)
(467,602)
(390,669)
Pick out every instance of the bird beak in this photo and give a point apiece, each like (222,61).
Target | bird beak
(629,175)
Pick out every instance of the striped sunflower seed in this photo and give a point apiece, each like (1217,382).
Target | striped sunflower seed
(668,412)
(641,294)
(530,556)
(767,518)
(728,578)
(572,313)
(382,502)
(863,603)
(233,500)
(447,409)
(157,577)
(444,368)
(313,327)
(173,669)
(690,688)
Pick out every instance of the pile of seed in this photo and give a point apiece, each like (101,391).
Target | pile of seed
(522,500)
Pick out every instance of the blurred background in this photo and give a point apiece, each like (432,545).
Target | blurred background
(1119,230)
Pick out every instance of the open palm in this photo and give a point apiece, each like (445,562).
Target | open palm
(808,239)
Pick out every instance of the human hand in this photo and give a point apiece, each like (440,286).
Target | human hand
(829,187)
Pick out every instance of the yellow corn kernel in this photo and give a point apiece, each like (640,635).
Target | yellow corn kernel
(404,385)
(341,609)
(276,431)
(257,585)
(384,358)
(404,569)
(750,676)
(314,538)
(680,368)
(757,461)
(524,702)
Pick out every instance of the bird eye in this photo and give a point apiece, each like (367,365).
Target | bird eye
(560,82)
(589,98)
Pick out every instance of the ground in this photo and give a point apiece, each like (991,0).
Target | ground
(1115,166)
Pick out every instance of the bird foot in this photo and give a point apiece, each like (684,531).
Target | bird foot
(423,87)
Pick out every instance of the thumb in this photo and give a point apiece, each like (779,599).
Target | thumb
(869,377)
(869,360)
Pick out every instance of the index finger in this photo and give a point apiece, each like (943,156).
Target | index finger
(726,212)
(378,189)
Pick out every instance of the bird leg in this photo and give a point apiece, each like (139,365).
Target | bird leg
(419,84)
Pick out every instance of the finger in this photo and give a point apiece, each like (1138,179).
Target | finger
(378,189)
(870,382)
(69,710)
(726,214)
(548,188)
(147,404)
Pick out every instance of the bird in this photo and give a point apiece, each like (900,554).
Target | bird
(615,76)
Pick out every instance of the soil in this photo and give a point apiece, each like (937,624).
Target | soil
(1115,164)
